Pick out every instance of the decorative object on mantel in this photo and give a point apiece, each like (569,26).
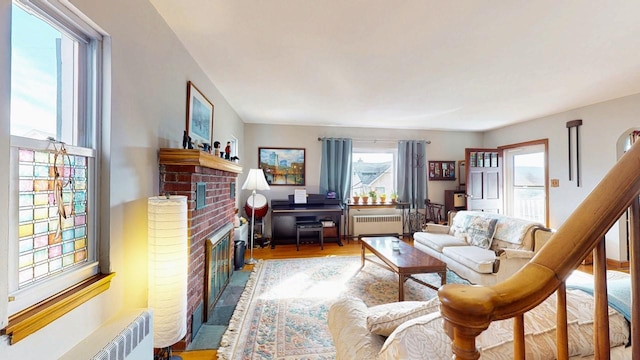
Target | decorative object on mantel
(186,141)
(168,269)
(255,181)
(442,170)
(227,151)
(199,115)
(205,147)
(216,148)
(574,124)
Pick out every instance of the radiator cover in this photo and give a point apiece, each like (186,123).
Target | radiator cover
(376,224)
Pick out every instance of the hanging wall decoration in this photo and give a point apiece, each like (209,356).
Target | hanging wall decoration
(570,125)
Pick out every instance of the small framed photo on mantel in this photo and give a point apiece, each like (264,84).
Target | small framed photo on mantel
(199,115)
(442,170)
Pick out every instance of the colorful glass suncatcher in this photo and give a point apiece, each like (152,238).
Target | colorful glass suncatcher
(48,242)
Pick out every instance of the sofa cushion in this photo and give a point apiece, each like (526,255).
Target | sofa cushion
(473,257)
(458,226)
(420,338)
(438,241)
(384,319)
(348,327)
(480,231)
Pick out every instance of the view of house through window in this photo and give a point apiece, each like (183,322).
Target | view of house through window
(373,171)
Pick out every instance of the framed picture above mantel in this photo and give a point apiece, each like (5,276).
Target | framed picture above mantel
(199,115)
(282,166)
(442,170)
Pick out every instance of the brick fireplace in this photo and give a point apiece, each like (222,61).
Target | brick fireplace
(209,182)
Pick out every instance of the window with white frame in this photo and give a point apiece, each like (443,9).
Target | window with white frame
(373,170)
(525,186)
(56,59)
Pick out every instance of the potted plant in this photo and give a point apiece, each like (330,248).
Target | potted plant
(383,198)
(394,197)
(364,197)
(356,199)
(374,196)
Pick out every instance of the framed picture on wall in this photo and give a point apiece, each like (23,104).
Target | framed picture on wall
(199,115)
(442,170)
(282,166)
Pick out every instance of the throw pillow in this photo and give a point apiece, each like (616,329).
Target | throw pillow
(459,226)
(384,319)
(480,231)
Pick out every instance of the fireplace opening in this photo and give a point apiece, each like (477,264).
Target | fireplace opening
(219,266)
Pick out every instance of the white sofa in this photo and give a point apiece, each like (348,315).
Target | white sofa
(414,329)
(483,248)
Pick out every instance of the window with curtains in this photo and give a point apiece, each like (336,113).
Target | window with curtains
(56,94)
(373,170)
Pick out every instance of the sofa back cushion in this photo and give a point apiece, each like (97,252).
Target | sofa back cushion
(510,232)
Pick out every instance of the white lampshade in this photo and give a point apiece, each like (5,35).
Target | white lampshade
(168,268)
(255,180)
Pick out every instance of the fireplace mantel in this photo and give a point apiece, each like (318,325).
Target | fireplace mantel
(196,157)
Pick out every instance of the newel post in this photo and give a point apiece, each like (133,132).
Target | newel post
(467,313)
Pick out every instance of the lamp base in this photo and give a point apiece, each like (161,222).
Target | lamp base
(251,261)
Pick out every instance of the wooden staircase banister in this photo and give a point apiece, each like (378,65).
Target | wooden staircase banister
(469,310)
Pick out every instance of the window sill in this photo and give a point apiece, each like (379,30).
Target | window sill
(42,314)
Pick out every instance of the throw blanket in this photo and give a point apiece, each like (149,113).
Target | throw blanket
(618,294)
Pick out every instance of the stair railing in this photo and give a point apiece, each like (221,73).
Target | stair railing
(469,310)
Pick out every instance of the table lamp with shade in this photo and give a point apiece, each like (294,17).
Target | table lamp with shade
(255,181)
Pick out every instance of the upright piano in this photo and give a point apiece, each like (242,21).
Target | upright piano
(285,212)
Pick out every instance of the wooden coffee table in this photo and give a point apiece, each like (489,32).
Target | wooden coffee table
(405,261)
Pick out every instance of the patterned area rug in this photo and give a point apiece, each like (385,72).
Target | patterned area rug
(282,313)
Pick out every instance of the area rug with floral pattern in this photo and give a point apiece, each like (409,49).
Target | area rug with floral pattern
(282,313)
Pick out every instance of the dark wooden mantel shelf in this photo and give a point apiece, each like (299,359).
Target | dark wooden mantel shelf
(197,157)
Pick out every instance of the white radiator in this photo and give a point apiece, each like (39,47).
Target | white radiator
(127,336)
(377,224)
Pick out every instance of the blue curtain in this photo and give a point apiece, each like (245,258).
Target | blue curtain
(335,167)
(412,172)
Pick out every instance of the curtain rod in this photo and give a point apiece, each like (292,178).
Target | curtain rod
(377,140)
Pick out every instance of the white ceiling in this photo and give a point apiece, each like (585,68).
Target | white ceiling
(411,64)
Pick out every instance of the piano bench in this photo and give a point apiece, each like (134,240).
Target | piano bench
(305,226)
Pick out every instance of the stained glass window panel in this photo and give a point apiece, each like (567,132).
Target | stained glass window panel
(44,249)
(25,215)
(26,155)
(26,245)
(26,275)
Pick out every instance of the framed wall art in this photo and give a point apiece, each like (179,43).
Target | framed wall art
(282,166)
(199,115)
(442,170)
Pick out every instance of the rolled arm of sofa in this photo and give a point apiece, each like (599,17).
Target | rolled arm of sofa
(540,237)
(514,254)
